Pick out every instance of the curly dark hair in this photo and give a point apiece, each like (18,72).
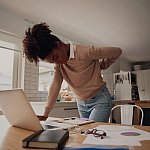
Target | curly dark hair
(38,42)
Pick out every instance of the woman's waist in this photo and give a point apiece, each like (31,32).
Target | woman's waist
(86,93)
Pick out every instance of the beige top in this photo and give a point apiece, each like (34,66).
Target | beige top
(82,72)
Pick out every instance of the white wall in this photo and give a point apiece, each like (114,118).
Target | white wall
(125,65)
(31,77)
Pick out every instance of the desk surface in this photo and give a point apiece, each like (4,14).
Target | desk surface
(11,137)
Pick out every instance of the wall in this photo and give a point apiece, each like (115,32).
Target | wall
(125,65)
(31,77)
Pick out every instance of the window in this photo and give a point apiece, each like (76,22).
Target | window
(10,65)
(46,73)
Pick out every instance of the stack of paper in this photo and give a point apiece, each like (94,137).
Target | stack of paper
(119,135)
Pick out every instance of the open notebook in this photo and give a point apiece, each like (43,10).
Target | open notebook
(67,122)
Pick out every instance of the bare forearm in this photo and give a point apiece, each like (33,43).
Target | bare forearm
(47,110)
(52,97)
(51,100)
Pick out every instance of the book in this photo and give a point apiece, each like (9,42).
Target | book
(52,139)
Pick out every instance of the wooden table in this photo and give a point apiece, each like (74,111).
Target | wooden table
(11,137)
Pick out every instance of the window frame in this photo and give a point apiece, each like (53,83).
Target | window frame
(17,61)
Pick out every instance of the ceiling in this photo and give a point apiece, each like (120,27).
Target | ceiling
(122,23)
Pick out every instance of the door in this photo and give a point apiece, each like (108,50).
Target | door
(146,75)
(143,82)
(140,83)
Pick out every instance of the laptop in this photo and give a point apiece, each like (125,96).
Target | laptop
(19,112)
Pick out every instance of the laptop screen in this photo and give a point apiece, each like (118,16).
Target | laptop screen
(18,111)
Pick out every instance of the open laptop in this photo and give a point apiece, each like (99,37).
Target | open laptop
(18,111)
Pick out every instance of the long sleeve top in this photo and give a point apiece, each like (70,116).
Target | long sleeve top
(82,72)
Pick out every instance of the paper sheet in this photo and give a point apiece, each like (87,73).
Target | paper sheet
(115,137)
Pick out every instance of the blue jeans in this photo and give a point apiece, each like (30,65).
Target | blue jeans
(97,108)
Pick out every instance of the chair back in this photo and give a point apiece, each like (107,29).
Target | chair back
(127,113)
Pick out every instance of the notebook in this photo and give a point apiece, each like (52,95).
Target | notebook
(52,139)
(19,112)
(67,123)
(61,125)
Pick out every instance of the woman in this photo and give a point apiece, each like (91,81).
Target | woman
(79,65)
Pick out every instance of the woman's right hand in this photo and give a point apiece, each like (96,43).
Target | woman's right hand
(42,118)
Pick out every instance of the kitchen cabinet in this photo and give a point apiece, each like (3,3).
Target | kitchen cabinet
(65,109)
(61,109)
(143,82)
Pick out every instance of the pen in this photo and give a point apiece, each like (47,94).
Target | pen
(72,118)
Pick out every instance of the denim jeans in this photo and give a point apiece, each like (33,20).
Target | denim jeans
(97,108)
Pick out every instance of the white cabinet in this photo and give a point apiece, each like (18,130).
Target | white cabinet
(143,82)
(61,109)
(65,109)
